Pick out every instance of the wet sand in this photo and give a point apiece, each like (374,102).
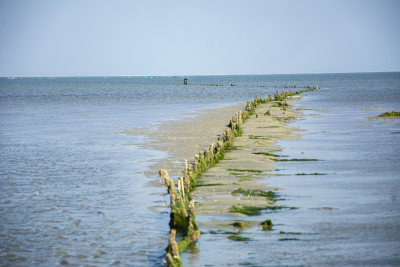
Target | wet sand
(247,166)
(183,139)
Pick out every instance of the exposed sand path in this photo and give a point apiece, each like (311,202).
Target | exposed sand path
(245,166)
(184,138)
(234,188)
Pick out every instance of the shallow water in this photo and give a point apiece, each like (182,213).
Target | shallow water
(350,214)
(72,188)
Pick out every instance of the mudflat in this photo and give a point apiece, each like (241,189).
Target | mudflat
(236,186)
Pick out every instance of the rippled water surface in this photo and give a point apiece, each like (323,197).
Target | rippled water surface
(347,202)
(72,188)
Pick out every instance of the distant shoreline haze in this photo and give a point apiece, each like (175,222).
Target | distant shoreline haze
(197,75)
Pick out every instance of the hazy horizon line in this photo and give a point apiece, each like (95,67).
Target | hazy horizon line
(191,75)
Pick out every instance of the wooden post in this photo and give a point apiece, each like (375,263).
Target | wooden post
(173,244)
(195,163)
(182,186)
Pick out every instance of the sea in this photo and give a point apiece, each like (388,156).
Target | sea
(75,191)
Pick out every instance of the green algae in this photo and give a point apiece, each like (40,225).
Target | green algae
(239,175)
(246,264)
(259,193)
(200,185)
(289,233)
(234,148)
(229,233)
(266,127)
(315,173)
(238,238)
(284,119)
(183,244)
(267,154)
(245,170)
(253,211)
(295,159)
(266,225)
(247,210)
(237,224)
(280,207)
(240,225)
(390,114)
(259,137)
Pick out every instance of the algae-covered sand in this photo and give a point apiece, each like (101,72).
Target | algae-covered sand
(250,160)
(235,190)
(244,167)
(390,114)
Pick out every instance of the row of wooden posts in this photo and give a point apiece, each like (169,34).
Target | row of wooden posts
(185,81)
(182,215)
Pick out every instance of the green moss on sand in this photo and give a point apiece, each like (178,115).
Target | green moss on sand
(266,154)
(259,193)
(266,225)
(247,210)
(315,173)
(259,137)
(253,211)
(390,114)
(295,159)
(238,238)
(245,170)
(199,185)
(284,119)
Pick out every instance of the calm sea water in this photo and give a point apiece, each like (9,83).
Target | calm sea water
(72,188)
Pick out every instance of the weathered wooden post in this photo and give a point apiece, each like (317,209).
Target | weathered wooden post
(181,186)
(174,244)
(195,163)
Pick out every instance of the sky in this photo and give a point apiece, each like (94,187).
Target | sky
(120,37)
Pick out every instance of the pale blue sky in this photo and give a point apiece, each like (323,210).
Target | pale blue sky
(90,38)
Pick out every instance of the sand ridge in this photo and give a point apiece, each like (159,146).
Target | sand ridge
(245,166)
(183,139)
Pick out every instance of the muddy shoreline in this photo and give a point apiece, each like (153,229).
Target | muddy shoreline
(244,152)
(183,139)
(251,161)
(184,230)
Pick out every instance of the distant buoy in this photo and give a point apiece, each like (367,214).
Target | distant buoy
(185,81)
